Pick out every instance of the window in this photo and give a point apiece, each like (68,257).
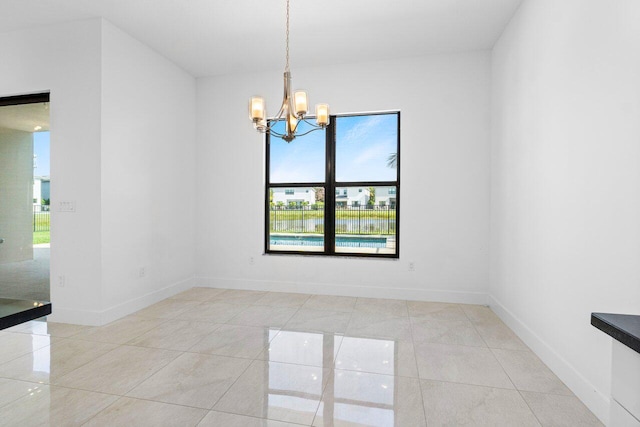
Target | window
(356,160)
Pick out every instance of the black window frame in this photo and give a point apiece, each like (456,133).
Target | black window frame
(330,186)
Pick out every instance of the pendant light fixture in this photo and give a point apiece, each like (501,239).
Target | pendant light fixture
(294,108)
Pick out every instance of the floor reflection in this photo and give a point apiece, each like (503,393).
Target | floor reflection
(361,388)
(27,279)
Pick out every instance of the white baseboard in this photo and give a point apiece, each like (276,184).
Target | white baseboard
(414,294)
(595,400)
(98,318)
(74,316)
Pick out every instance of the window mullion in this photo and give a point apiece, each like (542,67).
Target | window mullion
(330,197)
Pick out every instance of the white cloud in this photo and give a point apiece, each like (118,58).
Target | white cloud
(363,130)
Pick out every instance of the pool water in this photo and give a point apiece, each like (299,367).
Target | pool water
(341,241)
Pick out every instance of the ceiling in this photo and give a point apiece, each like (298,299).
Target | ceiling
(25,117)
(211,37)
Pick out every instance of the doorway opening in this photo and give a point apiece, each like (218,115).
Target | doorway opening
(25,197)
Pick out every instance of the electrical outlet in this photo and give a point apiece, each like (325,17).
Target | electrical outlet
(251,260)
(142,272)
(61,281)
(412,266)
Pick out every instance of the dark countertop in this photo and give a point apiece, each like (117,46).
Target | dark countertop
(622,327)
(16,311)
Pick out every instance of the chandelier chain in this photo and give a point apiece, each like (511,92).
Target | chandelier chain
(293,109)
(286,68)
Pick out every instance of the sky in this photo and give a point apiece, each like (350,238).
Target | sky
(41,151)
(363,146)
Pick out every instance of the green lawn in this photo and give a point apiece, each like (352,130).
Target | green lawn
(41,221)
(41,237)
(293,214)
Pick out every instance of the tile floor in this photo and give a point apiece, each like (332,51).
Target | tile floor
(214,357)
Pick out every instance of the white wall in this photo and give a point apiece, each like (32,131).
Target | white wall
(445,105)
(16,204)
(565,198)
(122,148)
(148,175)
(65,60)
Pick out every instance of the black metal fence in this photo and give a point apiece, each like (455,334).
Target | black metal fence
(41,218)
(349,220)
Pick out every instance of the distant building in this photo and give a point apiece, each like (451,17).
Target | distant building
(41,189)
(346,197)
(386,197)
(352,197)
(293,196)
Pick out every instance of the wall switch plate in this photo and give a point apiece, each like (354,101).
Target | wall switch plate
(67,206)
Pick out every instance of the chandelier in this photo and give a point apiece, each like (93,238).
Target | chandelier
(294,108)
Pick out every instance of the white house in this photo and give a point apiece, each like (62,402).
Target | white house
(41,189)
(386,197)
(297,196)
(352,196)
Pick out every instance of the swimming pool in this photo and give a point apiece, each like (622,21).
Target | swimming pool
(341,241)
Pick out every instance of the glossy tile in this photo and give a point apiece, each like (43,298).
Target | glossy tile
(221,419)
(560,411)
(435,311)
(262,315)
(118,371)
(458,332)
(327,360)
(375,325)
(330,303)
(303,348)
(492,330)
(528,373)
(277,391)
(461,364)
(479,313)
(236,341)
(177,335)
(168,309)
(449,404)
(51,362)
(198,294)
(282,299)
(196,380)
(214,312)
(498,335)
(143,413)
(364,399)
(390,307)
(14,345)
(120,331)
(40,327)
(54,406)
(319,321)
(236,296)
(11,390)
(375,355)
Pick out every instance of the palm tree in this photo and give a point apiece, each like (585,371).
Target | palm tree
(392,161)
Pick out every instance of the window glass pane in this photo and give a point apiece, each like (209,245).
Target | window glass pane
(366,220)
(366,147)
(302,160)
(296,219)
